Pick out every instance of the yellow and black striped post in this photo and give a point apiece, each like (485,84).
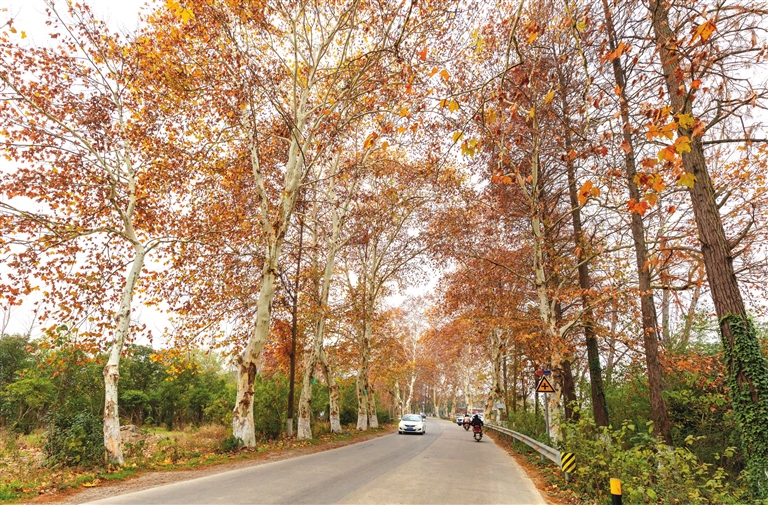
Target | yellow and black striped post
(615,492)
(568,464)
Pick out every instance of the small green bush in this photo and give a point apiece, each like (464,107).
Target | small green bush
(75,439)
(651,472)
(231,444)
(383,416)
(529,423)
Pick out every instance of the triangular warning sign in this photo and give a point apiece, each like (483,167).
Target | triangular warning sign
(544,386)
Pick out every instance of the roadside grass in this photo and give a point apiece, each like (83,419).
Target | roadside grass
(25,474)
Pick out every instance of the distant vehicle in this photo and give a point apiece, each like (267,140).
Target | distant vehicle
(459,419)
(423,416)
(412,423)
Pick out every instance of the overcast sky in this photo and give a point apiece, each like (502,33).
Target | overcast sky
(29,15)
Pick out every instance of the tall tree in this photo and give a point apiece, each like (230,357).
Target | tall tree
(651,339)
(686,65)
(98,172)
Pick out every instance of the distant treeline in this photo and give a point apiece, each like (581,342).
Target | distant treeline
(59,387)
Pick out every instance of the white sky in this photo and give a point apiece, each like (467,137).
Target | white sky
(29,15)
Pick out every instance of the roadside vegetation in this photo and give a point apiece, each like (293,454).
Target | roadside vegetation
(702,466)
(176,413)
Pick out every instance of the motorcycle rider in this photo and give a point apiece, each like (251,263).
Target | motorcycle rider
(467,420)
(477,427)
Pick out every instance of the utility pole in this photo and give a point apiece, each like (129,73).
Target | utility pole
(294,311)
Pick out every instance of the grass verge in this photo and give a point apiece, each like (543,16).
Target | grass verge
(192,449)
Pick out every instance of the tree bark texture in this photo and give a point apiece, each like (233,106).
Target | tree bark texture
(362,378)
(333,393)
(498,391)
(294,328)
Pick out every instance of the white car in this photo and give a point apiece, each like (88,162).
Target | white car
(412,423)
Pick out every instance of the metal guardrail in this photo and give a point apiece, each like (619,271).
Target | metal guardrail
(543,449)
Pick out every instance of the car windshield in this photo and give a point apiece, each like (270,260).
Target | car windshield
(411,417)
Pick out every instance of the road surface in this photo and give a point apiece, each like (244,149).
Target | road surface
(443,466)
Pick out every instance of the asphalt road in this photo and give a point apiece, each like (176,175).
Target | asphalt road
(443,466)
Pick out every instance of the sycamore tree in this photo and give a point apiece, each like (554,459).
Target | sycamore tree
(279,77)
(95,168)
(394,199)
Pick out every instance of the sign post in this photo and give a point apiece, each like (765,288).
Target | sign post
(546,388)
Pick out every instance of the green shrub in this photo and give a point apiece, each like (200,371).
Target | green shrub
(651,472)
(347,402)
(528,423)
(75,439)
(231,444)
(383,416)
(270,405)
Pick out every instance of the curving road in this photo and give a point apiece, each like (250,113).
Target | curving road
(443,466)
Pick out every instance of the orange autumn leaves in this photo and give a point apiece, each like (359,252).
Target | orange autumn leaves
(669,157)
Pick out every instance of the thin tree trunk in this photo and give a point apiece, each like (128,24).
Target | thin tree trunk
(665,333)
(362,377)
(373,418)
(746,366)
(515,376)
(659,412)
(506,386)
(569,390)
(114,452)
(398,400)
(685,337)
(294,327)
(333,393)
(599,405)
(338,216)
(497,385)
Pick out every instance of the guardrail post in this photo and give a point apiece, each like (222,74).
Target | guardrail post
(568,464)
(615,492)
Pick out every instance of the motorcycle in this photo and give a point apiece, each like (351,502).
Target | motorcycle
(466,425)
(477,432)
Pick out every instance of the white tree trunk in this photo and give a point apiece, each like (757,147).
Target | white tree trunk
(304,431)
(363,381)
(274,231)
(411,385)
(242,418)
(335,417)
(545,306)
(497,383)
(333,393)
(362,402)
(467,393)
(373,418)
(114,453)
(398,400)
(333,244)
